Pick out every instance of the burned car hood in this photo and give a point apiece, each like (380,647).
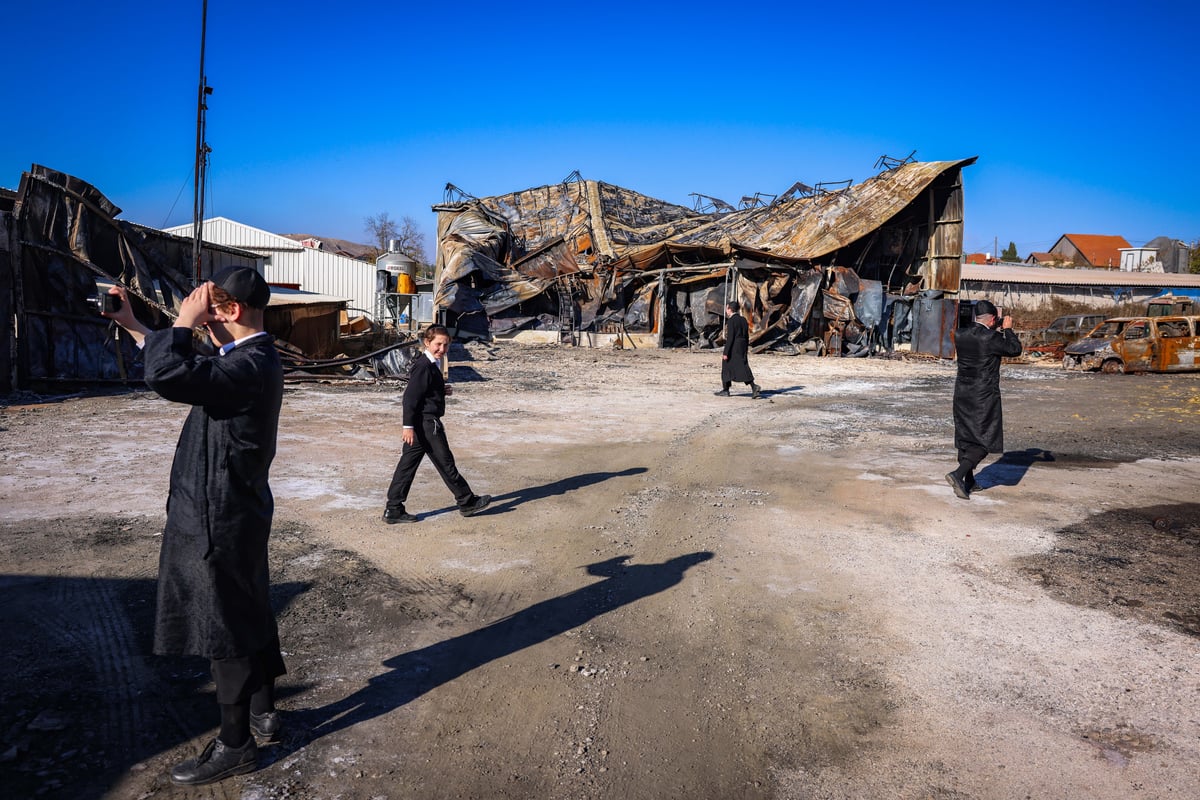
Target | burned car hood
(1085,347)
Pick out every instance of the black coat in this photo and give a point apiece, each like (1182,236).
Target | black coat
(978,417)
(736,367)
(425,393)
(212,574)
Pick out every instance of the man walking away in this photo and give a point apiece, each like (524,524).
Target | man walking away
(735,361)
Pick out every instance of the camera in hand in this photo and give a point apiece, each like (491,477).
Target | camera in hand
(105,302)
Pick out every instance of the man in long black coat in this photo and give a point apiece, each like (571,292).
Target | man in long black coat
(213,580)
(735,360)
(978,417)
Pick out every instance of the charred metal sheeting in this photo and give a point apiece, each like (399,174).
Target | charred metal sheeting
(810,228)
(599,257)
(63,245)
(935,319)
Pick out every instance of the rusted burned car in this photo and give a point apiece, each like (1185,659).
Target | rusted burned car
(1138,344)
(1064,330)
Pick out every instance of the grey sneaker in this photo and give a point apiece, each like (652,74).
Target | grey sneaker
(475,506)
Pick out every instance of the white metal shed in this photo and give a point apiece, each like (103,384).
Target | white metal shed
(289,262)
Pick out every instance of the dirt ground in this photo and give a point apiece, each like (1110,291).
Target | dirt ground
(674,595)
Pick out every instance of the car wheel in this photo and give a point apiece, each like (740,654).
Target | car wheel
(1113,367)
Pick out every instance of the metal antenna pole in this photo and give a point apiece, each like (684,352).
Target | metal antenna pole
(202,151)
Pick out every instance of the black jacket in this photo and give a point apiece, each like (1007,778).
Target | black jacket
(978,416)
(212,577)
(425,394)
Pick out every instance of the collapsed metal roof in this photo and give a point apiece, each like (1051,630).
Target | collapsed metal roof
(809,228)
(599,248)
(612,222)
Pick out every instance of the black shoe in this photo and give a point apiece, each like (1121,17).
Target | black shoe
(722,393)
(475,506)
(972,485)
(754,387)
(392,517)
(216,762)
(267,724)
(960,488)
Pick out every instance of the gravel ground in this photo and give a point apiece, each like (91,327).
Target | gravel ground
(673,594)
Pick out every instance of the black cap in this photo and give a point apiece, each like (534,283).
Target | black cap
(984,307)
(245,284)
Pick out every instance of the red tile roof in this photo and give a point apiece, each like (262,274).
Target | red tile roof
(1100,251)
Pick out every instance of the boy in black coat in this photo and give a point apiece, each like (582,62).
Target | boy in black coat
(213,580)
(424,405)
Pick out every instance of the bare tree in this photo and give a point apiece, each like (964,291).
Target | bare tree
(412,240)
(381,228)
(406,232)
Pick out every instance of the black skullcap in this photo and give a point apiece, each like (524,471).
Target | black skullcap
(245,284)
(984,307)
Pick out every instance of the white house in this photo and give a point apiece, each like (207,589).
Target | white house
(1139,259)
(290,263)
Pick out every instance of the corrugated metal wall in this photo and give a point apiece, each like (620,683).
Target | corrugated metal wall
(946,232)
(289,262)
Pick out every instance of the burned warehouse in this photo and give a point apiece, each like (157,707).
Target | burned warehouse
(840,270)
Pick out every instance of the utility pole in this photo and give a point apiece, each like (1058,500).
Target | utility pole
(202,151)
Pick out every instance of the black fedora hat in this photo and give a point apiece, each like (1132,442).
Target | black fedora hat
(245,284)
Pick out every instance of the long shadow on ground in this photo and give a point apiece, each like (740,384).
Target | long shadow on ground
(83,701)
(1010,468)
(412,674)
(508,501)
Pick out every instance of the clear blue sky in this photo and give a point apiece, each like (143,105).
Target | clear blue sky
(1083,115)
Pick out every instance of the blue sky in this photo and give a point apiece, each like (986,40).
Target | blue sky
(1083,116)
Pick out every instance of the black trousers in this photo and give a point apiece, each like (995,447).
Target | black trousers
(429,438)
(237,679)
(969,458)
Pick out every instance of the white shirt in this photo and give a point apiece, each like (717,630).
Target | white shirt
(225,348)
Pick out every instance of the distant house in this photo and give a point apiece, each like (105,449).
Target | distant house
(1173,254)
(1089,250)
(1140,259)
(1043,260)
(978,258)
